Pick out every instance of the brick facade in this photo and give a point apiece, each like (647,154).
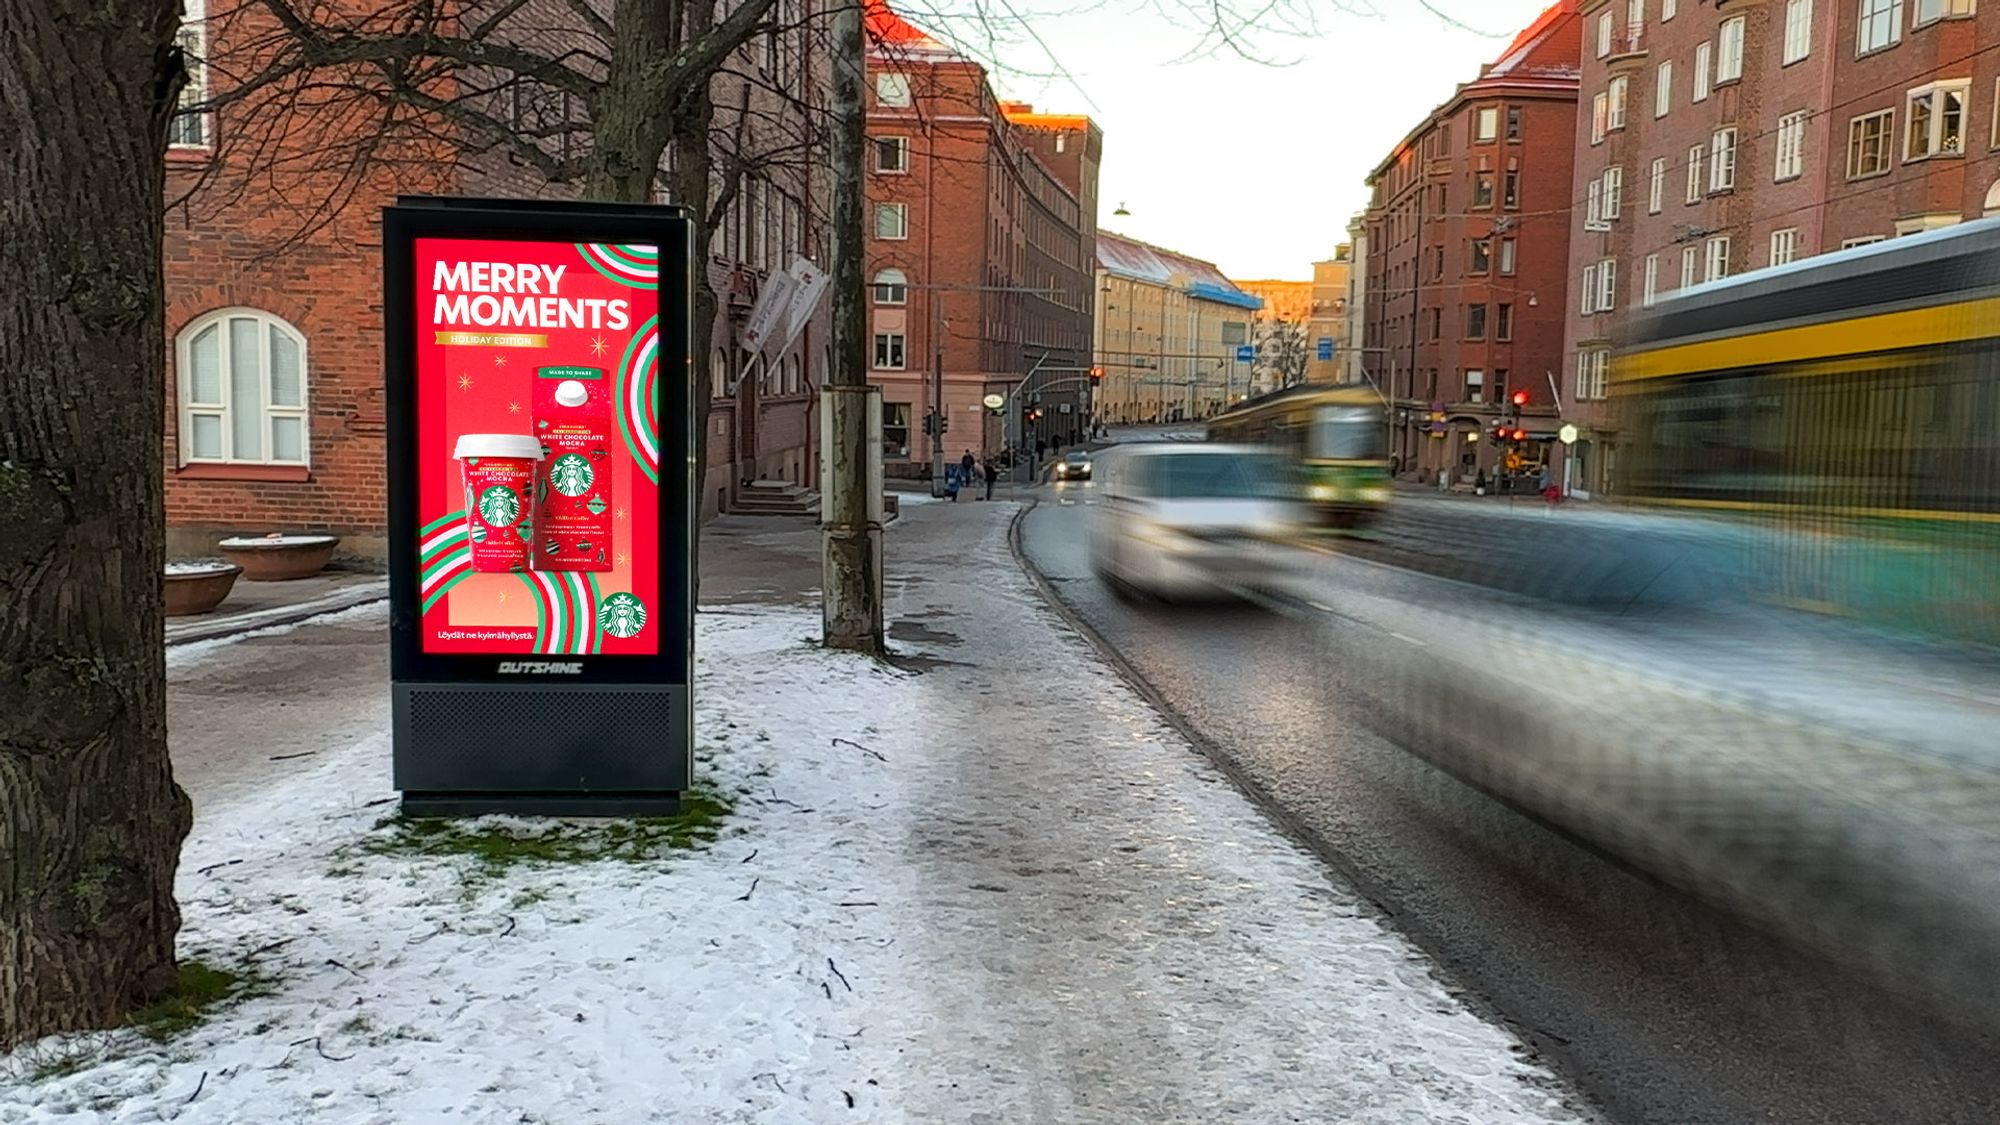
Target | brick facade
(1467,251)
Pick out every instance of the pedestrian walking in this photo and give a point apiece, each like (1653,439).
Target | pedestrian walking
(1041,449)
(951,483)
(966,464)
(992,474)
(1551,491)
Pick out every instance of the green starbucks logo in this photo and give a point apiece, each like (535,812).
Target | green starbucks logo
(622,615)
(571,474)
(499,506)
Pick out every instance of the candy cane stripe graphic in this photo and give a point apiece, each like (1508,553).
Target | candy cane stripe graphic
(444,559)
(638,414)
(634,266)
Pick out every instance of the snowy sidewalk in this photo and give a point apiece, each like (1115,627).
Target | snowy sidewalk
(997,888)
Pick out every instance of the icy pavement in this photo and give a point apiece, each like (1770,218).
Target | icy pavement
(998,889)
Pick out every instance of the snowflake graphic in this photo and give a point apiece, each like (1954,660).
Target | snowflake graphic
(513,408)
(598,345)
(499,361)
(465,382)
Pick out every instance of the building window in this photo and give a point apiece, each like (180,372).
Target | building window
(1702,79)
(242,378)
(892,90)
(892,287)
(1482,190)
(1482,255)
(1593,209)
(1589,290)
(892,220)
(1507,256)
(1607,285)
(1656,189)
(1881,25)
(1614,193)
(1663,89)
(1635,24)
(1513,123)
(1798,30)
(1600,107)
(1791,146)
(1620,87)
(1487,126)
(1510,196)
(1929,11)
(1864,240)
(1695,157)
(889,351)
(1690,266)
(1604,34)
(1475,386)
(1652,289)
(1718,258)
(1668,8)
(896,430)
(1722,160)
(1435,319)
(189,127)
(1868,144)
(1784,246)
(1729,50)
(1475,322)
(1591,366)
(1937,120)
(1503,322)
(892,154)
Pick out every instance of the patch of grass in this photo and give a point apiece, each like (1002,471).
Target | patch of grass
(495,845)
(202,986)
(530,897)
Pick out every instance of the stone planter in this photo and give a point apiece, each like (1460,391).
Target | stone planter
(280,558)
(198,587)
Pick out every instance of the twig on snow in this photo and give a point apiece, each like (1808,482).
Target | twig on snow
(279,944)
(857,904)
(510,926)
(289,757)
(838,973)
(828,989)
(745,896)
(858,746)
(751,856)
(198,1087)
(773,1078)
(442,927)
(218,866)
(343,968)
(321,1048)
(849,1097)
(377,801)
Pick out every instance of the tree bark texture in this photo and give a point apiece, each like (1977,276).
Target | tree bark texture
(91,821)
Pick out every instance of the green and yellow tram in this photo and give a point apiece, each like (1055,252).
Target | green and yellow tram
(1337,435)
(1845,407)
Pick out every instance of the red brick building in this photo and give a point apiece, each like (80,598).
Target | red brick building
(982,233)
(274,404)
(1721,138)
(1468,251)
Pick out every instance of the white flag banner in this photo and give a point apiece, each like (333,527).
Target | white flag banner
(767,316)
(810,282)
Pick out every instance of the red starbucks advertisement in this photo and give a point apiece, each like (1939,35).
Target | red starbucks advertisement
(538,447)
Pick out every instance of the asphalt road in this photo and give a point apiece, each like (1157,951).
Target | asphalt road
(1660,1008)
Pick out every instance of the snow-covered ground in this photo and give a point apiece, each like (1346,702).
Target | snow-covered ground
(998,889)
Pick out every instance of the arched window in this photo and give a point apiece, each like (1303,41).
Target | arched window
(719,374)
(891,288)
(1993,199)
(792,384)
(242,389)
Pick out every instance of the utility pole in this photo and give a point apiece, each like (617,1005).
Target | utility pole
(851,571)
(937,392)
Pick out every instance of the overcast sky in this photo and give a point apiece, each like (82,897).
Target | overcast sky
(1254,167)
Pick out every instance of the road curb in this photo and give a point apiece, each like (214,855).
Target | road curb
(278,616)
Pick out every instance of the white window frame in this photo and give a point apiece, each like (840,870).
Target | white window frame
(1864,240)
(1935,93)
(1635,24)
(1887,136)
(1651,292)
(1593,209)
(1607,285)
(895,282)
(1690,265)
(1790,163)
(892,90)
(1663,89)
(1729,50)
(1656,190)
(224,410)
(1931,11)
(901,225)
(890,345)
(1620,91)
(1589,288)
(1614,192)
(1716,263)
(1879,26)
(1506,259)
(1696,155)
(1722,160)
(1798,31)
(902,146)
(1604,34)
(188,130)
(1486,123)
(1600,108)
(1668,9)
(1784,246)
(1704,81)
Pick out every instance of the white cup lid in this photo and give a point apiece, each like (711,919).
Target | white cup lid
(519,446)
(571,392)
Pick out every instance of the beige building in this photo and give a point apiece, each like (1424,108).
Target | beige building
(1289,301)
(1327,319)
(1353,359)
(1168,332)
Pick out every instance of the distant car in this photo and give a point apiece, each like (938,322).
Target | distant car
(1185,518)
(1076,466)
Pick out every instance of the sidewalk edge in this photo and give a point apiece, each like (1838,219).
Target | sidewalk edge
(293,615)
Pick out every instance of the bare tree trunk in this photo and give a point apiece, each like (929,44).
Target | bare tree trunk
(91,821)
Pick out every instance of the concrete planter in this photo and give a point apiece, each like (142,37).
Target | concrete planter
(198,588)
(280,558)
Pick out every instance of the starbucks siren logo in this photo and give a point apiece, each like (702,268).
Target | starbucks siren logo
(499,506)
(571,475)
(622,615)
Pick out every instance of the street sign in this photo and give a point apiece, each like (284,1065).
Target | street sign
(1325,348)
(1246,353)
(1567,434)
(994,401)
(540,533)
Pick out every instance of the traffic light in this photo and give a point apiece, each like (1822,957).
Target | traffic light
(1520,399)
(1096,373)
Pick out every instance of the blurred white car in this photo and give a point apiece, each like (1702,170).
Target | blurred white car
(1195,519)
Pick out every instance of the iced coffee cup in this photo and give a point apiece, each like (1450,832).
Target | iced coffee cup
(499,474)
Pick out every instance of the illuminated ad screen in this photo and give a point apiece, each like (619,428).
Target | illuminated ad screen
(538,447)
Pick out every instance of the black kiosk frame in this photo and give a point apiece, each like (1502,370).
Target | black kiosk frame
(610,735)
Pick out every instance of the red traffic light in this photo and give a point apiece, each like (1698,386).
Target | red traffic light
(1520,398)
(1520,435)
(1097,372)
